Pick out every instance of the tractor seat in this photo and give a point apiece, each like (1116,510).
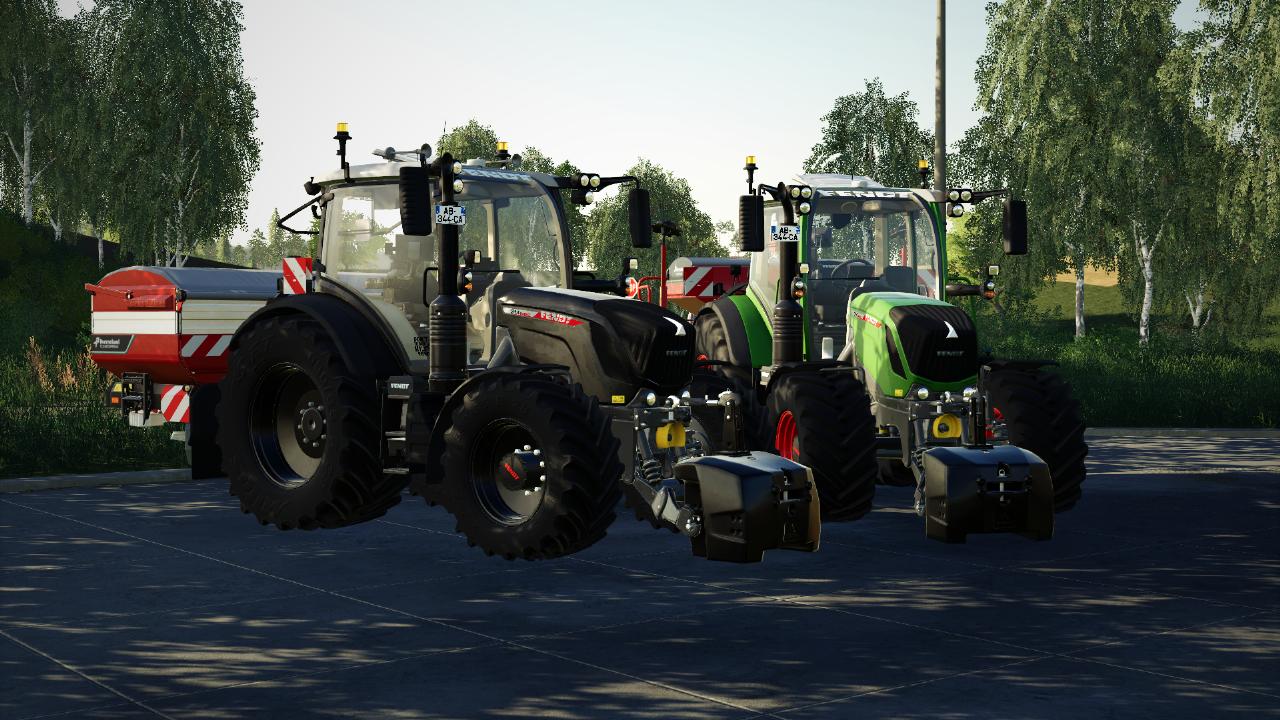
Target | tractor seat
(895,279)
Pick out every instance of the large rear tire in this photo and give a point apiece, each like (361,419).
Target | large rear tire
(895,474)
(299,430)
(824,420)
(530,467)
(1043,416)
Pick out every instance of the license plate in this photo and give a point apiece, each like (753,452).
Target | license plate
(785,233)
(451,215)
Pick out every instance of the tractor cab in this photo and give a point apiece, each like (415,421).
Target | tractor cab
(858,237)
(513,235)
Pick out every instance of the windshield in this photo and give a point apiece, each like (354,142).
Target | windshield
(512,222)
(880,243)
(515,224)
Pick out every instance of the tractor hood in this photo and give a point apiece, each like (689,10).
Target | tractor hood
(614,347)
(904,339)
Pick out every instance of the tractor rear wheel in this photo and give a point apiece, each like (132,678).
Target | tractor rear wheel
(1043,416)
(893,472)
(823,420)
(530,467)
(299,430)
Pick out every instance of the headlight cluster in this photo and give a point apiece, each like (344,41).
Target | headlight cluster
(802,193)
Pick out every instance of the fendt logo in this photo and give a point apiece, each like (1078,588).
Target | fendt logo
(869,194)
(544,315)
(867,319)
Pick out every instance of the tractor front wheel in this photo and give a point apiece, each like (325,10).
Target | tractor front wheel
(1042,415)
(823,420)
(530,467)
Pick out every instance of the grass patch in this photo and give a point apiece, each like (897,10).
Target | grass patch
(53,420)
(1059,300)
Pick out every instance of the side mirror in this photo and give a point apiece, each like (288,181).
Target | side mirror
(415,200)
(1015,227)
(638,218)
(751,223)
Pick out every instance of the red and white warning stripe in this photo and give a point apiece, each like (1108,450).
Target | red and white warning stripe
(696,282)
(297,270)
(175,404)
(205,345)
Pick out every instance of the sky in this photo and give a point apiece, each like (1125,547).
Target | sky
(694,85)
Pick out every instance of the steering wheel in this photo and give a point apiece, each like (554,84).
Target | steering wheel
(849,264)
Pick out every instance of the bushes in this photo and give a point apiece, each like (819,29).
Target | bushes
(53,420)
(1180,380)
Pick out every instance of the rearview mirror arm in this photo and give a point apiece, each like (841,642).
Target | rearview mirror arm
(319,200)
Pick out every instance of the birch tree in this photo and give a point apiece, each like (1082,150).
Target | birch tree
(183,120)
(1232,65)
(870,133)
(33,92)
(1053,82)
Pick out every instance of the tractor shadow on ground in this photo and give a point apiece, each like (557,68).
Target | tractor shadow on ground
(1158,595)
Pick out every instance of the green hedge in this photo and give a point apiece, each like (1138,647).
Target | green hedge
(53,420)
(1179,380)
(52,416)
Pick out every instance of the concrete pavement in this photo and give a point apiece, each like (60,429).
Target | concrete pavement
(1158,597)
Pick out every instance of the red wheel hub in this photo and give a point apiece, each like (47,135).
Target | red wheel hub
(784,438)
(997,416)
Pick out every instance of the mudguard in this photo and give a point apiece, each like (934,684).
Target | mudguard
(749,503)
(986,490)
(363,343)
(750,342)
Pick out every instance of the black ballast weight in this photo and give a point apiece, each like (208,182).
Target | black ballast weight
(986,490)
(751,502)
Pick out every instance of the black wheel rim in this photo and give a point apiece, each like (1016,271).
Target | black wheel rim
(288,425)
(508,472)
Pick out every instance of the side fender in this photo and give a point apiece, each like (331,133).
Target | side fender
(363,346)
(750,343)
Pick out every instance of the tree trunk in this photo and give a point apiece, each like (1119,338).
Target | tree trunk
(28,181)
(179,237)
(98,234)
(1080,330)
(1145,247)
(56,223)
(1148,291)
(1198,308)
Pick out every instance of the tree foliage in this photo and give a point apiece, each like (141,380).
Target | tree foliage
(181,120)
(38,101)
(869,133)
(671,198)
(471,140)
(1229,72)
(1077,123)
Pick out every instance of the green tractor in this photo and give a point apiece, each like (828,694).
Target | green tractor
(852,361)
